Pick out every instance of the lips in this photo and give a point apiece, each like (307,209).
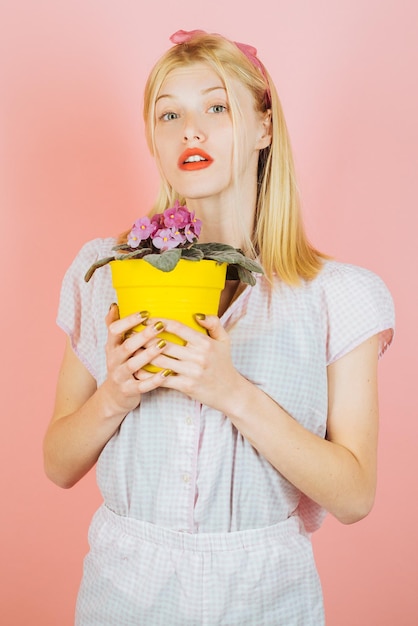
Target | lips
(194,159)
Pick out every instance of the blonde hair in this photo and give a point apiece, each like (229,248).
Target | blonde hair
(279,238)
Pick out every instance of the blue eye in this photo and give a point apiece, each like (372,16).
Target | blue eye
(169,116)
(218,108)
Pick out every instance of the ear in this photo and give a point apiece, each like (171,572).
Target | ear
(265,138)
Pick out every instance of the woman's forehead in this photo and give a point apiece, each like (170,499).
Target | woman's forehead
(202,78)
(197,73)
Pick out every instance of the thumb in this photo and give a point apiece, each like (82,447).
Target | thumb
(213,325)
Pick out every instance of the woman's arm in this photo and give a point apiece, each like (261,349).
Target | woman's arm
(338,472)
(85,417)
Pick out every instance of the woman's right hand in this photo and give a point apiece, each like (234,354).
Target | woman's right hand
(85,416)
(127,352)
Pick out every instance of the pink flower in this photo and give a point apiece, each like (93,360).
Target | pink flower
(158,220)
(195,224)
(190,234)
(176,216)
(175,227)
(133,239)
(168,238)
(141,230)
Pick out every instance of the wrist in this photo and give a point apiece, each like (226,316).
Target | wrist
(239,399)
(108,406)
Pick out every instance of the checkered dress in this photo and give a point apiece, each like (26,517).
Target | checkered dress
(197,528)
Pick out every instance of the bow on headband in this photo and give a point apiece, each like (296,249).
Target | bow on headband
(183,36)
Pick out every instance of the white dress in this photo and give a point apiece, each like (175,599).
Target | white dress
(197,528)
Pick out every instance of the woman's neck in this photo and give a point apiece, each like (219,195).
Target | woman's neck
(224,224)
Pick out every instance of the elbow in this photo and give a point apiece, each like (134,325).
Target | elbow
(57,477)
(64,472)
(59,480)
(356,509)
(55,471)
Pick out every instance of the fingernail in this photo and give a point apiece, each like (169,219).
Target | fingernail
(112,305)
(158,326)
(200,316)
(143,314)
(161,344)
(166,373)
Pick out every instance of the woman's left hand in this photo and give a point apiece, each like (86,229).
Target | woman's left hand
(202,369)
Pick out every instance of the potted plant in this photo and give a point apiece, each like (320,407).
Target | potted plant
(163,269)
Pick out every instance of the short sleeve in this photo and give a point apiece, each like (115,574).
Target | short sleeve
(82,305)
(358,305)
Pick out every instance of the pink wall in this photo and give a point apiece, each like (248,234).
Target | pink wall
(74,165)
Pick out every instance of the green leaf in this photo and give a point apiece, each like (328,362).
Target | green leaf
(122,246)
(239,266)
(96,265)
(245,276)
(223,253)
(192,254)
(222,256)
(135,254)
(208,248)
(166,261)
(250,265)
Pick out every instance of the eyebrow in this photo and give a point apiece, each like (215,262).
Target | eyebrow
(203,92)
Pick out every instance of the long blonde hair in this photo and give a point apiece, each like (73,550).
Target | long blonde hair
(279,238)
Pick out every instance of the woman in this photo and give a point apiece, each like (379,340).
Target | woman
(215,470)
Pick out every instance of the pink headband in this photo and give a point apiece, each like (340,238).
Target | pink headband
(184,36)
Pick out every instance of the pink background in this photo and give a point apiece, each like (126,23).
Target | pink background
(74,165)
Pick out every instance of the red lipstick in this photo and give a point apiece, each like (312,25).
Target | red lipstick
(194,159)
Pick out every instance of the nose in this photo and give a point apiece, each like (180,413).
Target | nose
(192,130)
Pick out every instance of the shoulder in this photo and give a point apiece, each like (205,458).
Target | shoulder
(74,281)
(357,303)
(83,306)
(333,272)
(95,249)
(343,281)
(89,253)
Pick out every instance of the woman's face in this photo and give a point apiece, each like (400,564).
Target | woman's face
(194,133)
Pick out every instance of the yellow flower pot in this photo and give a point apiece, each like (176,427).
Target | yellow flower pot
(191,287)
